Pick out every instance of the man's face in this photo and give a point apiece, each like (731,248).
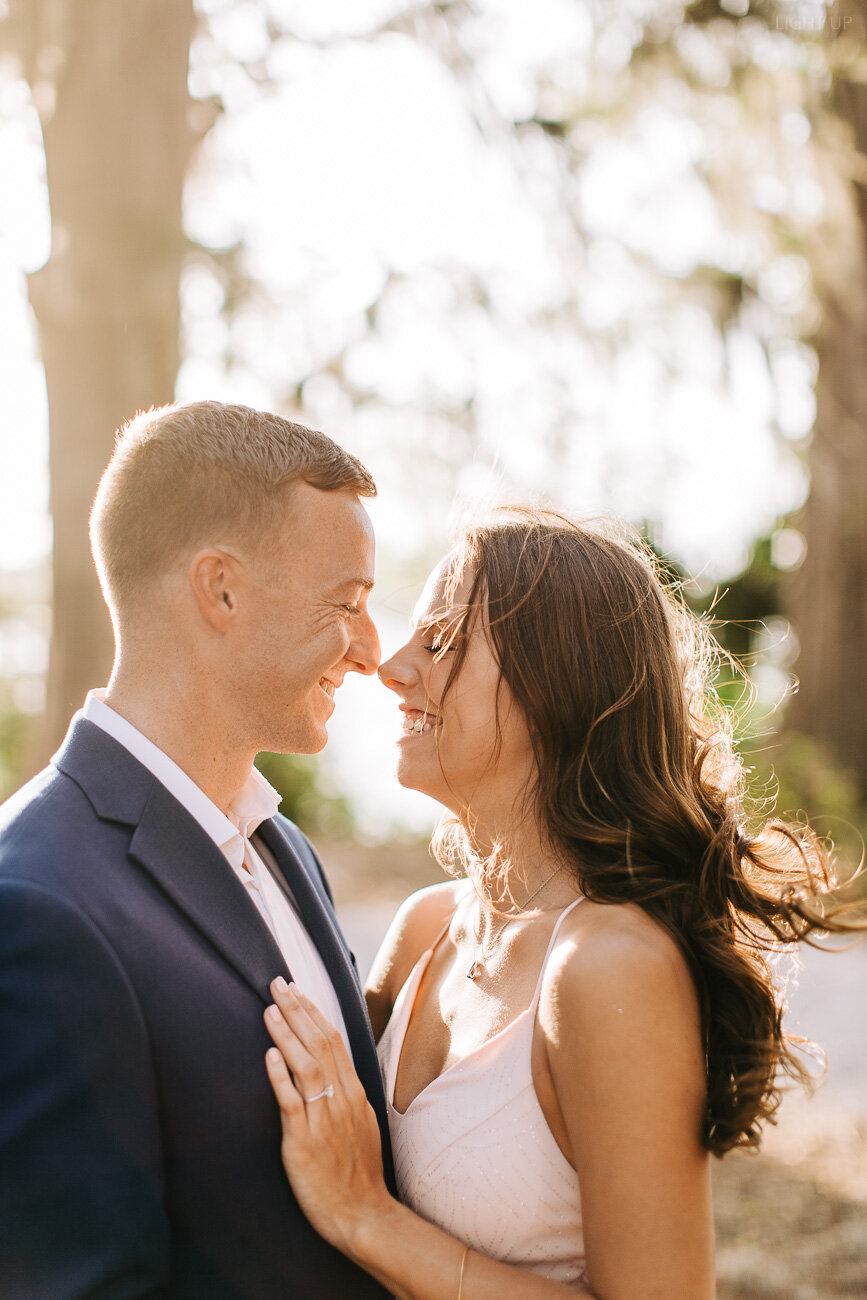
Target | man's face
(303,621)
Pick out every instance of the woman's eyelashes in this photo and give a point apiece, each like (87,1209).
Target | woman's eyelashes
(439,640)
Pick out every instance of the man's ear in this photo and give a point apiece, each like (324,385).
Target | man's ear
(213,581)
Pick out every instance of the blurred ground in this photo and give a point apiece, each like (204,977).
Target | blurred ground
(792,1220)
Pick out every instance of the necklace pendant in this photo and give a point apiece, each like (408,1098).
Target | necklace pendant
(475,970)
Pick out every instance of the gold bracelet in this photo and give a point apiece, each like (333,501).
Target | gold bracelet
(461,1278)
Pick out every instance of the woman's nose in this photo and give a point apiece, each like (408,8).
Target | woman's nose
(393,673)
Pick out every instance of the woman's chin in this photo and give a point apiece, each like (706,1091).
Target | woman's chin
(409,777)
(417,772)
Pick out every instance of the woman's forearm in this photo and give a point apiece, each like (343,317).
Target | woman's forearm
(417,1261)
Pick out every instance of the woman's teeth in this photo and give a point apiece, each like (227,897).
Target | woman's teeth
(416,726)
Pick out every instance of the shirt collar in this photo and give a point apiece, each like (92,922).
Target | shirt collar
(256,801)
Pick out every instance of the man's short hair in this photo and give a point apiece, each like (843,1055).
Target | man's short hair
(199,474)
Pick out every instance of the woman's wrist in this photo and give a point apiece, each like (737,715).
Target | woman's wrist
(371,1234)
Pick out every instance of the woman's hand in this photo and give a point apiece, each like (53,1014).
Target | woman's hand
(332,1155)
(331,1149)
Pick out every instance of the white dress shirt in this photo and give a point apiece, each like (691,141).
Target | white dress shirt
(256,801)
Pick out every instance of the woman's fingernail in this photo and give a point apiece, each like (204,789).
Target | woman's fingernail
(280,985)
(274,1013)
(273,1056)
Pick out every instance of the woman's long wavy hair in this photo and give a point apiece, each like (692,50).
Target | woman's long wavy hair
(638,784)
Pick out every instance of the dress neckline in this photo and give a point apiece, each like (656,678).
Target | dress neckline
(407,998)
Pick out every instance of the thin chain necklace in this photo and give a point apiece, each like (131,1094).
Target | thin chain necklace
(477,965)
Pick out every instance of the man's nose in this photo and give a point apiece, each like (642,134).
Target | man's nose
(364,652)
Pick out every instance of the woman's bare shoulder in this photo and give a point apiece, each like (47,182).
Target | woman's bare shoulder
(421,917)
(416,925)
(615,960)
(619,932)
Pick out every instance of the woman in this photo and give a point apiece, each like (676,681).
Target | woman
(569,1033)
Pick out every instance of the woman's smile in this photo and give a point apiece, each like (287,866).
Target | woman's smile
(417,722)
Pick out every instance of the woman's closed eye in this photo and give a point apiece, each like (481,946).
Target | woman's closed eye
(442,643)
(437,639)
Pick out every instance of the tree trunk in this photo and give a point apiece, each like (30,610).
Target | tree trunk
(828,599)
(110,82)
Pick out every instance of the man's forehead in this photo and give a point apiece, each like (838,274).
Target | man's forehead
(315,512)
(331,533)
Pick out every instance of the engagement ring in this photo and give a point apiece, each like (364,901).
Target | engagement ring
(326,1092)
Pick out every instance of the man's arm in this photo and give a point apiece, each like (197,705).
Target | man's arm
(81,1208)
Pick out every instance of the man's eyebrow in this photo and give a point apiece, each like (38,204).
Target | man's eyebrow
(351,584)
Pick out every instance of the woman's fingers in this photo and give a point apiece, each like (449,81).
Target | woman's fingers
(332,1149)
(288,1098)
(310,1073)
(319,1037)
(342,1060)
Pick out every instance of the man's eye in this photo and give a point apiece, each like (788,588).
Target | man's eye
(352,609)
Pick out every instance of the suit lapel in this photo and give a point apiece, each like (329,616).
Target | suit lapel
(300,880)
(186,863)
(322,927)
(170,845)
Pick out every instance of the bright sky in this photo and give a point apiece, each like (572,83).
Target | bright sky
(365,161)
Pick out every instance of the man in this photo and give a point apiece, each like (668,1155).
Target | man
(149,894)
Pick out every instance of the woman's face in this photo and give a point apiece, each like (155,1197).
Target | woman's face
(449,749)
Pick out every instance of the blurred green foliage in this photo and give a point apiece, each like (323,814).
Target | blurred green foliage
(809,780)
(801,781)
(308,799)
(790,774)
(14,729)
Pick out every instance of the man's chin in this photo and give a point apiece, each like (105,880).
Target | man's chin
(312,740)
(317,745)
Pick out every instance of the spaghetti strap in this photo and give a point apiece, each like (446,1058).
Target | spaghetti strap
(554,933)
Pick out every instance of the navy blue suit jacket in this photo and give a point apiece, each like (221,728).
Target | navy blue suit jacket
(139,1138)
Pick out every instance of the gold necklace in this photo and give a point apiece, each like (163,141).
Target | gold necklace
(477,966)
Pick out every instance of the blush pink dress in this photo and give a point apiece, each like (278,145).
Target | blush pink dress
(473,1152)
